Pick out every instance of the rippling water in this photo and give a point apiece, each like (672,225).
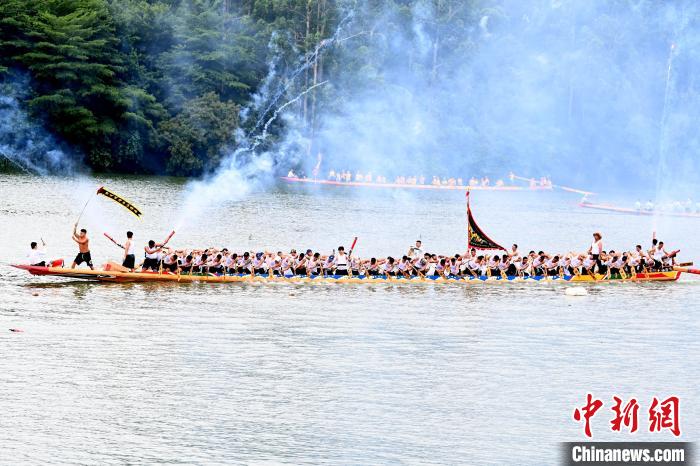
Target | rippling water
(345,374)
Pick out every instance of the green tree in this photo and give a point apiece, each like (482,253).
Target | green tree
(198,135)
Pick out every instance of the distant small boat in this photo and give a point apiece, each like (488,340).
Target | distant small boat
(624,210)
(365,184)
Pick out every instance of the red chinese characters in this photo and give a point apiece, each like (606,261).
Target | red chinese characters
(592,406)
(664,415)
(626,416)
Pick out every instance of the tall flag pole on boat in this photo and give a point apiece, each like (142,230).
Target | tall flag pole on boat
(83,211)
(476,237)
(116,198)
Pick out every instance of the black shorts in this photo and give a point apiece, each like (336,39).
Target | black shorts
(171,267)
(129,261)
(83,257)
(150,264)
(341,272)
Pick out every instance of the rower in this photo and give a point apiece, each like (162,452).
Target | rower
(37,256)
(231,263)
(299,263)
(538,264)
(83,248)
(389,267)
(634,261)
(505,264)
(421,264)
(328,264)
(552,266)
(287,266)
(355,263)
(373,267)
(258,264)
(521,266)
(244,263)
(402,267)
(453,268)
(170,262)
(187,263)
(474,266)
(201,263)
(313,264)
(512,258)
(589,265)
(440,268)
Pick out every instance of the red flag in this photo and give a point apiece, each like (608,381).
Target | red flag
(475,235)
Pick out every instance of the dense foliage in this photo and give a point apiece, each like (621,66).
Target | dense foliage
(146,85)
(391,86)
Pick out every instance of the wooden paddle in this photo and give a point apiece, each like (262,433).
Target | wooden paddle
(354,242)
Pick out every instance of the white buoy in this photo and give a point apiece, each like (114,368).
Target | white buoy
(576,291)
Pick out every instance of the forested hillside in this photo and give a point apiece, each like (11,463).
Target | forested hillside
(398,87)
(154,86)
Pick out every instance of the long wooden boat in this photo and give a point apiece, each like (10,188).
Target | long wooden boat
(626,210)
(365,184)
(125,277)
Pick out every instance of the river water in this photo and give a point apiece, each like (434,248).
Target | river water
(343,374)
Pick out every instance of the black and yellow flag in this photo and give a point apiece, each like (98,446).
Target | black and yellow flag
(120,200)
(476,237)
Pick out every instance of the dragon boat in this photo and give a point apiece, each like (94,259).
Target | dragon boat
(129,277)
(477,238)
(426,187)
(586,204)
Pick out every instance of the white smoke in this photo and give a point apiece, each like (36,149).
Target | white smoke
(23,141)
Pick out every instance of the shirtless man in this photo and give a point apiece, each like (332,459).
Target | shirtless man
(83,248)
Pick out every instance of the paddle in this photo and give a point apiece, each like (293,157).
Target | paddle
(687,270)
(168,238)
(112,240)
(354,242)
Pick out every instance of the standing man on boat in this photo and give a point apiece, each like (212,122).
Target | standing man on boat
(129,256)
(416,252)
(341,262)
(596,249)
(83,248)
